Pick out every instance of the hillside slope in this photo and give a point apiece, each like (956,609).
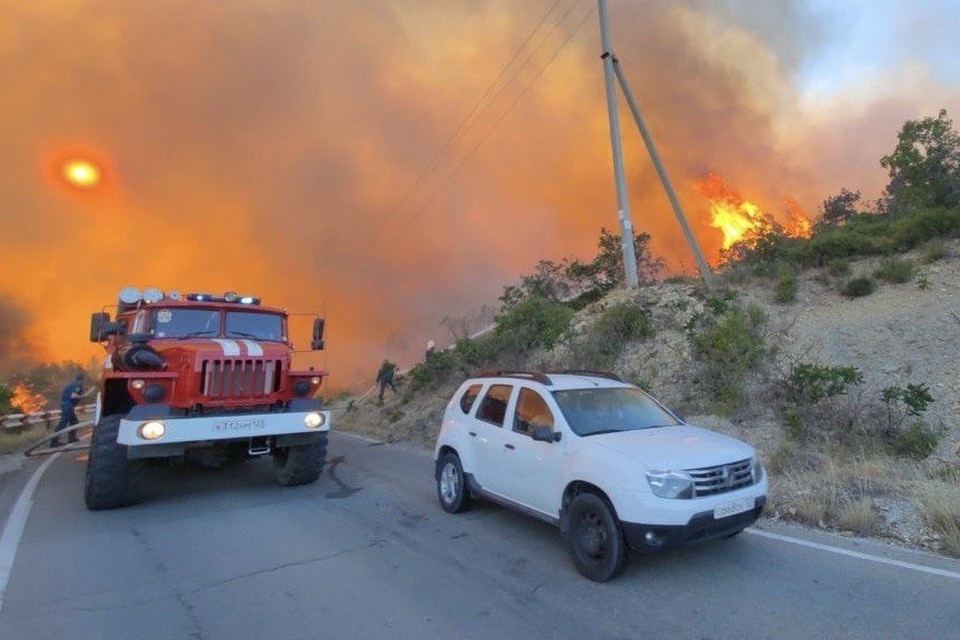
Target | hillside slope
(839,474)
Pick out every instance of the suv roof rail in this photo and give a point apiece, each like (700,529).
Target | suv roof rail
(537,376)
(586,372)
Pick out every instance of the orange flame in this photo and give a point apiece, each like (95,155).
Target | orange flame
(799,225)
(729,211)
(25,400)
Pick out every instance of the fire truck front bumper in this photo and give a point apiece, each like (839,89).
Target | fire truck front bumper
(157,430)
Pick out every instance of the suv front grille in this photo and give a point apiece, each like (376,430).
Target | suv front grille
(240,378)
(721,479)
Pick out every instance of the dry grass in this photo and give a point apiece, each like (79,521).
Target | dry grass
(836,489)
(19,441)
(941,503)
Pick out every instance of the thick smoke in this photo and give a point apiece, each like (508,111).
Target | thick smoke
(276,147)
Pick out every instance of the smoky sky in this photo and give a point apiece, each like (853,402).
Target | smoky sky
(279,148)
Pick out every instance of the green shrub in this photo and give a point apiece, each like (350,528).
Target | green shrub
(469,351)
(810,383)
(619,324)
(729,344)
(859,287)
(433,371)
(786,290)
(838,267)
(893,269)
(917,441)
(903,402)
(935,250)
(533,322)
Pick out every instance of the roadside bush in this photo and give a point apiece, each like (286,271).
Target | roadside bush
(893,269)
(935,250)
(838,268)
(469,351)
(916,441)
(533,322)
(432,372)
(807,385)
(859,287)
(810,383)
(786,290)
(619,324)
(729,342)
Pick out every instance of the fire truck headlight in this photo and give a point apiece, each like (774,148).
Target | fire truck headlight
(313,420)
(151,430)
(315,380)
(137,384)
(153,392)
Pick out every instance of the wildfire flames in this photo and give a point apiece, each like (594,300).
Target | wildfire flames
(739,219)
(26,400)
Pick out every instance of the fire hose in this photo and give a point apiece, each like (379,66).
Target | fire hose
(41,447)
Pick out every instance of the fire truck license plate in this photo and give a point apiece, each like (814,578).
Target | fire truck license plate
(238,425)
(732,508)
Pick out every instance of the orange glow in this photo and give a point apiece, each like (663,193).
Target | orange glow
(25,400)
(81,173)
(799,225)
(729,212)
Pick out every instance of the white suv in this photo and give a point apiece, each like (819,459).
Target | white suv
(600,458)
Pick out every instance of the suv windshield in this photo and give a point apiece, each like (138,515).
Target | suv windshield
(603,410)
(257,326)
(184,323)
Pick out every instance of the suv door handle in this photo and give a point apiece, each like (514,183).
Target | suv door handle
(509,446)
(473,434)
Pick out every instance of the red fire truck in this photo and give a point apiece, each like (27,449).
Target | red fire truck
(200,373)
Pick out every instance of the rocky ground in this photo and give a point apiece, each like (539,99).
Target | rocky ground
(901,334)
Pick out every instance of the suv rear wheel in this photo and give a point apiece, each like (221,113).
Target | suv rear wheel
(594,538)
(451,486)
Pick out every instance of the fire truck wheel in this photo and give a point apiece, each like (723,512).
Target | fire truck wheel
(301,464)
(112,479)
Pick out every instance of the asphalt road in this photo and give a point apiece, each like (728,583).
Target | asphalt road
(366,552)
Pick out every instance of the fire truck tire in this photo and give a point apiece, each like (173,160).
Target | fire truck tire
(300,464)
(112,479)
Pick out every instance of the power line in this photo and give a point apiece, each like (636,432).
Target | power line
(500,119)
(463,127)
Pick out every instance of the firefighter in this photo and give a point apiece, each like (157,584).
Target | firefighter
(385,378)
(69,398)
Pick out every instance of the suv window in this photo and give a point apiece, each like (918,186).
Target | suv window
(532,412)
(466,401)
(493,407)
(593,411)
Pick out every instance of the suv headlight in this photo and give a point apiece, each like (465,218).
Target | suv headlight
(670,484)
(756,470)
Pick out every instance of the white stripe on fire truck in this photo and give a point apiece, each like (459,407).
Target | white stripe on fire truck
(253,349)
(230,347)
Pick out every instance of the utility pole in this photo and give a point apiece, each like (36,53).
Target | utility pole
(611,68)
(623,213)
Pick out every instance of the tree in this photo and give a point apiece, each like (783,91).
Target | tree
(5,394)
(606,270)
(839,208)
(924,167)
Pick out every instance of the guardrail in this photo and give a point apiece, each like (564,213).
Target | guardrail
(17,422)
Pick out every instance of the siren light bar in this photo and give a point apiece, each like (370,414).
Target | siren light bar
(131,296)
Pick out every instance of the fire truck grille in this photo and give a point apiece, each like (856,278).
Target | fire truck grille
(239,378)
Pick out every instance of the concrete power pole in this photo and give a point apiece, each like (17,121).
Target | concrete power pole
(611,69)
(623,213)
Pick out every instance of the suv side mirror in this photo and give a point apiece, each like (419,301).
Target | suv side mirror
(545,434)
(101,327)
(317,342)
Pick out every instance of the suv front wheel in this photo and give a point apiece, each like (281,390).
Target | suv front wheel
(451,485)
(594,538)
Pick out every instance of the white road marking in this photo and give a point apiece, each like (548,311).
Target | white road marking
(13,530)
(359,437)
(953,575)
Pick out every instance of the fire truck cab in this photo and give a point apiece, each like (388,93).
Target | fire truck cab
(200,374)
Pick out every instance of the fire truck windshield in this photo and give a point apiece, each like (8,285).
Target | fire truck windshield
(256,326)
(184,323)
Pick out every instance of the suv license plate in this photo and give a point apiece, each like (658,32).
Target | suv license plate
(732,508)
